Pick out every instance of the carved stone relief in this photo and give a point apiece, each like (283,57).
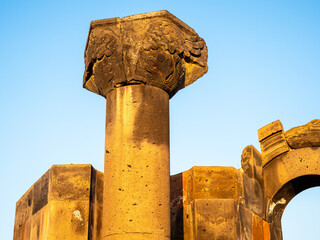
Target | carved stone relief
(155,49)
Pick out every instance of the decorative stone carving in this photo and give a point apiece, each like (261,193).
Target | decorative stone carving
(304,136)
(153,48)
(272,141)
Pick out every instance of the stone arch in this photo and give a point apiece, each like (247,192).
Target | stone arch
(288,175)
(282,198)
(291,164)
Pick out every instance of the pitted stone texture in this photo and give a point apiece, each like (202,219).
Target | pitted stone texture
(304,136)
(211,183)
(65,203)
(272,141)
(155,48)
(290,166)
(211,219)
(137,168)
(269,129)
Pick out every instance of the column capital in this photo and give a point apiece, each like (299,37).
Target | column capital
(155,48)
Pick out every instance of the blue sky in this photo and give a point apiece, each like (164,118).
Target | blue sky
(263,65)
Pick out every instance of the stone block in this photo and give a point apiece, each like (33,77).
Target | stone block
(211,183)
(304,136)
(95,221)
(188,221)
(253,195)
(251,163)
(32,201)
(245,222)
(215,219)
(68,220)
(269,129)
(40,193)
(34,228)
(24,209)
(70,182)
(257,228)
(57,206)
(266,231)
(272,141)
(96,205)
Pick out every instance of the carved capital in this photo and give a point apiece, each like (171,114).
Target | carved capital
(153,48)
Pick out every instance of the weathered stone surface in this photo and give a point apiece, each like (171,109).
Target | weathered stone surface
(269,129)
(257,228)
(211,183)
(176,206)
(245,223)
(96,204)
(275,232)
(304,136)
(272,141)
(253,195)
(57,206)
(70,184)
(188,221)
(137,168)
(266,231)
(215,219)
(284,178)
(34,228)
(32,201)
(155,48)
(289,166)
(251,163)
(68,220)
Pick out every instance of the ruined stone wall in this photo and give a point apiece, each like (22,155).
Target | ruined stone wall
(206,202)
(138,63)
(65,203)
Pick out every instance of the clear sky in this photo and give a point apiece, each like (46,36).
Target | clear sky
(263,65)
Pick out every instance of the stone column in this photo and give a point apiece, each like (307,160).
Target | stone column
(138,63)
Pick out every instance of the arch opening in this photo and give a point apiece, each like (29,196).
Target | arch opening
(287,193)
(300,220)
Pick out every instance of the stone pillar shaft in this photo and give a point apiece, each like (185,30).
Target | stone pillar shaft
(137,184)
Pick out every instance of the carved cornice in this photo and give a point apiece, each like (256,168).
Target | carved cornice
(153,48)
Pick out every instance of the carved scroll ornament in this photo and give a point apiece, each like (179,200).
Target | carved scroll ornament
(154,48)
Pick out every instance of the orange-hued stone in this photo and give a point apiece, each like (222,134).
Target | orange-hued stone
(257,228)
(304,136)
(61,205)
(137,168)
(68,219)
(211,219)
(155,49)
(269,129)
(289,166)
(272,141)
(266,231)
(138,63)
(211,183)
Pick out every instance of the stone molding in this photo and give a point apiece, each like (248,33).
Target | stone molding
(274,141)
